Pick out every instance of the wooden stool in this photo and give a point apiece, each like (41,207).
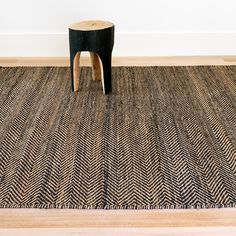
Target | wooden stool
(97,37)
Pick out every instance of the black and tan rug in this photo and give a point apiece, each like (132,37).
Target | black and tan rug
(164,138)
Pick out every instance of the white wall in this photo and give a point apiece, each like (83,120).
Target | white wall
(150,28)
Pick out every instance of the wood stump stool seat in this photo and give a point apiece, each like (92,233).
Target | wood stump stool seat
(97,37)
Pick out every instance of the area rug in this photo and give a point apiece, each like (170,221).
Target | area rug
(164,138)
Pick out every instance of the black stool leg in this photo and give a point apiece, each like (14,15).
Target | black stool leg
(106,66)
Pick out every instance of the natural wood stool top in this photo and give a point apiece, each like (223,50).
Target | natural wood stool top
(91,25)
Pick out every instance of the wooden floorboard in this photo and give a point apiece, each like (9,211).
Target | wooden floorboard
(122,61)
(57,218)
(117,222)
(196,231)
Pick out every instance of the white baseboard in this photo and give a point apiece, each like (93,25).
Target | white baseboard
(126,44)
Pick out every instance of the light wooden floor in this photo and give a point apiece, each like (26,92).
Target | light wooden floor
(120,222)
(121,61)
(53,222)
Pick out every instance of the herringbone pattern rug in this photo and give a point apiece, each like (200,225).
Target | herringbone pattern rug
(164,138)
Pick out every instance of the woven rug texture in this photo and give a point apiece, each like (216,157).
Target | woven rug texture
(164,138)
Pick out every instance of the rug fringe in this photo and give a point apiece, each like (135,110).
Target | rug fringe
(117,207)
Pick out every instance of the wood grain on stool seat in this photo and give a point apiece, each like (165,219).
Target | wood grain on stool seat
(91,25)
